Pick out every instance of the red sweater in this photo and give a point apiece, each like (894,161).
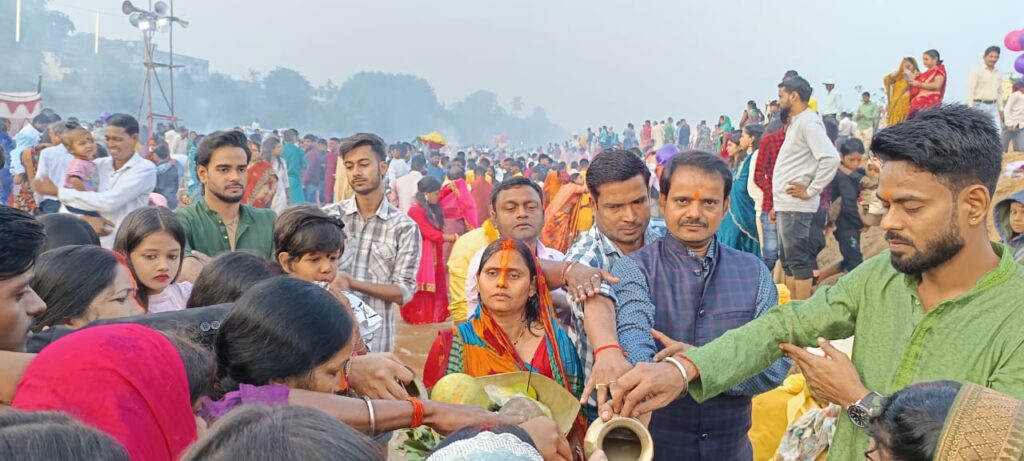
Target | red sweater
(768,152)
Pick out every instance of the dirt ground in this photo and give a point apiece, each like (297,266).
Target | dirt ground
(414,340)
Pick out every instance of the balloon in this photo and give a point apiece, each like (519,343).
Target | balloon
(1013,40)
(1019,64)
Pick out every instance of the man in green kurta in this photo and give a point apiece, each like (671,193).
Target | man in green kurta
(942,304)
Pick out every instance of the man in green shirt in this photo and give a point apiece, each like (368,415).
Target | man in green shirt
(218,222)
(866,118)
(943,303)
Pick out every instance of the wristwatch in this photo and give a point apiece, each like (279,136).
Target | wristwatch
(861,411)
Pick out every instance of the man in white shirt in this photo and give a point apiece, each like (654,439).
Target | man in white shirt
(125,181)
(985,87)
(518,214)
(53,163)
(398,166)
(405,187)
(833,101)
(27,138)
(1014,118)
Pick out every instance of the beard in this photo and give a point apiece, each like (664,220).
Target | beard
(939,251)
(227,198)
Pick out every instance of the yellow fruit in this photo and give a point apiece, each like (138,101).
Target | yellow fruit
(460,389)
(530,392)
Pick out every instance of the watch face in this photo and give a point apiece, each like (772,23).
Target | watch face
(860,416)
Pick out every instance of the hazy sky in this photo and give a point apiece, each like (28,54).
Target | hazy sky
(588,63)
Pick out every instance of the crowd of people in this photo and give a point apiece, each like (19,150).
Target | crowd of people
(238,295)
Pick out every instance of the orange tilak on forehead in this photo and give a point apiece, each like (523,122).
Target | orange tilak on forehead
(886,195)
(506,251)
(696,194)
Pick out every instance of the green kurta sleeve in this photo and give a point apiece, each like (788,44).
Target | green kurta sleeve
(746,351)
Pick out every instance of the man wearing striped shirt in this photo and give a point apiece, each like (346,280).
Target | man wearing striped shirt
(382,247)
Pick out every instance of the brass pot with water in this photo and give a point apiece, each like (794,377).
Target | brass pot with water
(621,439)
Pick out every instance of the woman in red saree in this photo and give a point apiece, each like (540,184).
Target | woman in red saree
(460,214)
(262,180)
(561,215)
(430,303)
(928,89)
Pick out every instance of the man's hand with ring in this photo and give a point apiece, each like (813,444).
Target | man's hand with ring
(587,281)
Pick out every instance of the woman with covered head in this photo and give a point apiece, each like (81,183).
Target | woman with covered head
(430,303)
(136,384)
(514,328)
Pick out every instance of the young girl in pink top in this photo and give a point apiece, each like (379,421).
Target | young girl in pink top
(153,241)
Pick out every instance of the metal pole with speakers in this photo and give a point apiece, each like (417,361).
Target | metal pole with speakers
(160,16)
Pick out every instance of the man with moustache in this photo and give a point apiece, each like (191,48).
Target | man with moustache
(382,246)
(691,287)
(942,304)
(218,222)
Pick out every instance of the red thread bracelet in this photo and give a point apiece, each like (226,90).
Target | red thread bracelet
(565,270)
(609,346)
(417,412)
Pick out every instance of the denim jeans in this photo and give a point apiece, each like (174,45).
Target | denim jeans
(991,109)
(313,193)
(769,242)
(49,206)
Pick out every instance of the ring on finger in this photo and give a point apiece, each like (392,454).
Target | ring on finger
(579,287)
(601,385)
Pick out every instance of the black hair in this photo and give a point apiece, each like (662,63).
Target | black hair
(511,183)
(47,435)
(46,117)
(434,212)
(992,49)
(66,229)
(418,163)
(200,367)
(910,422)
(287,432)
(756,131)
(140,224)
(935,55)
(533,302)
(734,136)
(126,122)
(162,152)
(615,165)
(267,148)
(957,144)
(22,241)
(791,74)
(229,275)
(365,139)
(68,279)
(309,137)
(455,173)
(305,229)
(851,146)
(831,129)
(584,163)
(480,171)
(219,139)
(799,85)
(281,328)
(708,163)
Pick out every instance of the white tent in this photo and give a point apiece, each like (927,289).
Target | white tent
(20,107)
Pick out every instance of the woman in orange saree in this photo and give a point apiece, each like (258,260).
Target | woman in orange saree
(928,89)
(562,215)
